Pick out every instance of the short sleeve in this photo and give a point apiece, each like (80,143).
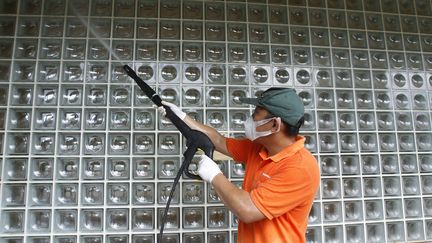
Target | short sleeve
(239,148)
(284,191)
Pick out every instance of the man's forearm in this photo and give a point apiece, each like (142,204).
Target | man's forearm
(237,200)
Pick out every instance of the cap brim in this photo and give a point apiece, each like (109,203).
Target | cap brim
(251,101)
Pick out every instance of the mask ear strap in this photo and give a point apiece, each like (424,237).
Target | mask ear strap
(279,121)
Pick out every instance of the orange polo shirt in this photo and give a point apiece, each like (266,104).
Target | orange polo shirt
(282,187)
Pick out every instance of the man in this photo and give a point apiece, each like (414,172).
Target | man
(281,177)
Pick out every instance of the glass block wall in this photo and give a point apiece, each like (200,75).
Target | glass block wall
(85,157)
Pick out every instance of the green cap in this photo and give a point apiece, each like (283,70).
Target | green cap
(281,102)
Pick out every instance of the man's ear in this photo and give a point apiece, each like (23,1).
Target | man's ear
(277,125)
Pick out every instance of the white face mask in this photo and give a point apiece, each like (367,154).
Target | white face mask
(251,125)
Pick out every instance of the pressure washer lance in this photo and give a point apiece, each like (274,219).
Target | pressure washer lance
(195,140)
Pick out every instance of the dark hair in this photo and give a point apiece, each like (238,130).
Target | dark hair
(290,130)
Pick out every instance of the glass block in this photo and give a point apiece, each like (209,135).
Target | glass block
(298,16)
(28,26)
(372,187)
(324,98)
(91,220)
(353,210)
(22,95)
(354,233)
(403,121)
(332,211)
(374,232)
(315,214)
(117,194)
(343,78)
(215,52)
(323,78)
(92,194)
(313,234)
(39,221)
(14,195)
(302,77)
(70,119)
(75,49)
(301,56)
(120,119)
(172,218)
(18,143)
(414,230)
(42,169)
(346,121)
(321,57)
(260,54)
(120,96)
(193,193)
(395,231)
(236,12)
(358,39)
(122,50)
(71,95)
(217,217)
(331,188)
(427,206)
(74,71)
(143,193)
(43,143)
(13,221)
(68,143)
(310,142)
(338,38)
(48,72)
(408,163)
(26,49)
(142,219)
(20,119)
(93,239)
(373,210)
(406,142)
(66,194)
(117,219)
(40,194)
(96,95)
(193,237)
(412,207)
(52,27)
(193,218)
(97,72)
(65,220)
(326,120)
(163,192)
(217,119)
(143,168)
(341,58)
(214,31)
(65,239)
(5,73)
(387,142)
(410,185)
(95,119)
(94,143)
(309,121)
(425,161)
(15,169)
(260,75)
(419,100)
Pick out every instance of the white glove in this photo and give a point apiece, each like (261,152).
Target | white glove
(207,168)
(173,107)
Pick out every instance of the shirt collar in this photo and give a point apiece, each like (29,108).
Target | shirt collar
(286,152)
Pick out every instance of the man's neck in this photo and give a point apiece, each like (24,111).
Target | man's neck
(277,143)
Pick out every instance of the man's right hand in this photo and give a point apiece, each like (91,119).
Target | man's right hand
(173,107)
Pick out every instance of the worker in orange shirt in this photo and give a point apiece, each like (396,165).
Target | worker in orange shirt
(281,177)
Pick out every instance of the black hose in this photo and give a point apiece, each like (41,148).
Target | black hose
(194,140)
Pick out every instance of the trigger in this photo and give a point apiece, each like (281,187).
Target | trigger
(199,151)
